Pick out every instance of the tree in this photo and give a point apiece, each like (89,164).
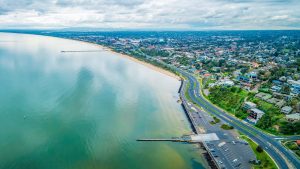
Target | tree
(286,89)
(265,121)
(244,70)
(259,149)
(290,128)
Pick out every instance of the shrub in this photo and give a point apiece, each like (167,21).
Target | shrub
(226,127)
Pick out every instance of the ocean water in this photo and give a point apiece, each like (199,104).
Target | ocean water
(84,110)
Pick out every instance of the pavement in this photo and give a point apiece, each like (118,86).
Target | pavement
(283,157)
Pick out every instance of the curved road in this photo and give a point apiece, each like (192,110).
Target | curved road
(270,145)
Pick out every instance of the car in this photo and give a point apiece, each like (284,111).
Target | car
(238,165)
(215,155)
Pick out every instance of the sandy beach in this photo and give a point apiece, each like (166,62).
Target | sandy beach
(158,69)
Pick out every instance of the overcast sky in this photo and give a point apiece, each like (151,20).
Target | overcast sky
(150,14)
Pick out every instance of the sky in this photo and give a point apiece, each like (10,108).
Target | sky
(150,14)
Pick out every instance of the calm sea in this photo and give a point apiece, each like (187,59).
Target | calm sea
(84,110)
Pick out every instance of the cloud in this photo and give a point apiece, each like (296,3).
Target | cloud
(151,14)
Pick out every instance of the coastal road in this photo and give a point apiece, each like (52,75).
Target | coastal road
(226,150)
(283,157)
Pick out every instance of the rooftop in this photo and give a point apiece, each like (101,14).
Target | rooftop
(257,111)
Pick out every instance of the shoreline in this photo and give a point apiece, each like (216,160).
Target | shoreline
(149,65)
(108,49)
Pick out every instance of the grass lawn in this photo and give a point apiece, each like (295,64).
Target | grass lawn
(264,106)
(266,161)
(186,93)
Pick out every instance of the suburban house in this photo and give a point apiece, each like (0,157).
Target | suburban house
(286,109)
(275,88)
(293,117)
(295,86)
(249,105)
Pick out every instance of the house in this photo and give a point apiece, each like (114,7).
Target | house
(298,142)
(226,82)
(252,75)
(263,96)
(295,86)
(249,105)
(293,94)
(243,79)
(273,100)
(216,69)
(282,78)
(275,88)
(237,73)
(254,115)
(277,82)
(293,117)
(286,109)
(280,103)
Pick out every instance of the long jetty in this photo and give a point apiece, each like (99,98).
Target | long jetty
(158,139)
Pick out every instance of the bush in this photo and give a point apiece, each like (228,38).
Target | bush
(226,127)
(216,119)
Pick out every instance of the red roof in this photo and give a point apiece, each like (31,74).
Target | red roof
(298,142)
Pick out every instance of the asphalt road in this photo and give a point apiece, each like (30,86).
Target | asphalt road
(268,142)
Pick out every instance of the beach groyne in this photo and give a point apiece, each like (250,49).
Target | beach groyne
(181,84)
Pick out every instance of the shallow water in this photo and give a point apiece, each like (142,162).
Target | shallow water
(85,110)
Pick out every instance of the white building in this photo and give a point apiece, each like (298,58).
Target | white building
(293,117)
(254,115)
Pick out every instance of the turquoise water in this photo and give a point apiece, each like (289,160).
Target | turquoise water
(85,110)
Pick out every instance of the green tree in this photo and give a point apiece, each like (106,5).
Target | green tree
(265,121)
(259,149)
(286,89)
